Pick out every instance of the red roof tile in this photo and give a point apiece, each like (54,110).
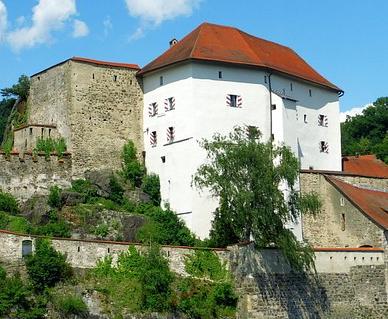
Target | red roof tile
(365,165)
(211,42)
(374,204)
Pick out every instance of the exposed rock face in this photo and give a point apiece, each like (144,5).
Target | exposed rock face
(69,198)
(35,208)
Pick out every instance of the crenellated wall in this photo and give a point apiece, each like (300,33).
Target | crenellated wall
(348,283)
(24,175)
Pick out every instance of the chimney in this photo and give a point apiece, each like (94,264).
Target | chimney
(173,42)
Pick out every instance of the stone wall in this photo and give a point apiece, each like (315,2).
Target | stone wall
(337,225)
(24,175)
(106,111)
(348,283)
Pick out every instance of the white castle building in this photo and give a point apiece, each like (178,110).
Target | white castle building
(218,77)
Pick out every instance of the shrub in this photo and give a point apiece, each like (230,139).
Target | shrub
(46,266)
(164,228)
(101,231)
(8,203)
(45,145)
(54,199)
(206,264)
(13,294)
(85,187)
(19,225)
(60,147)
(132,170)
(3,273)
(71,305)
(116,190)
(8,145)
(54,229)
(151,186)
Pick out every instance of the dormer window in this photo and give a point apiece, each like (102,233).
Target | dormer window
(170,134)
(153,109)
(169,104)
(233,100)
(322,120)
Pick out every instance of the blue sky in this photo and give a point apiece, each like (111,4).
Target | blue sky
(346,40)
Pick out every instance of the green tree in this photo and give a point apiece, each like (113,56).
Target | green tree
(365,133)
(241,173)
(5,111)
(151,186)
(20,90)
(132,170)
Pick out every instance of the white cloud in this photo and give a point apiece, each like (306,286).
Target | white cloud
(153,12)
(157,11)
(352,112)
(80,29)
(107,25)
(48,16)
(3,20)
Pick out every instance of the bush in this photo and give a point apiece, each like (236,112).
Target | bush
(151,186)
(206,264)
(49,145)
(102,231)
(132,170)
(71,305)
(60,147)
(8,203)
(46,267)
(164,228)
(19,225)
(85,187)
(13,294)
(54,199)
(54,229)
(116,190)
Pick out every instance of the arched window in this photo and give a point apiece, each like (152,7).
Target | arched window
(26,248)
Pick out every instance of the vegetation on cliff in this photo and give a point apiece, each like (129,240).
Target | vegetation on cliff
(367,133)
(249,178)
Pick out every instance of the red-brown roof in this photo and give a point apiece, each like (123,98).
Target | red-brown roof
(365,165)
(374,204)
(211,42)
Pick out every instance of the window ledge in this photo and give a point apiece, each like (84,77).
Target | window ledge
(178,141)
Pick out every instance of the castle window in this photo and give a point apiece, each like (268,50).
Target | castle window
(273,107)
(42,132)
(322,120)
(130,82)
(291,88)
(49,132)
(343,222)
(170,134)
(163,158)
(153,138)
(342,201)
(30,130)
(265,79)
(323,147)
(115,78)
(153,109)
(305,118)
(93,76)
(161,81)
(26,248)
(233,100)
(310,92)
(220,74)
(169,104)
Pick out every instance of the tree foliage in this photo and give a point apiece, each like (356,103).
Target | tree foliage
(5,111)
(132,170)
(19,90)
(249,178)
(367,133)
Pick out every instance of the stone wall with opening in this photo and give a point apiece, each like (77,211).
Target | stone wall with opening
(26,137)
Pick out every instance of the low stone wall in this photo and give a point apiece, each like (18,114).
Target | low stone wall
(24,175)
(348,283)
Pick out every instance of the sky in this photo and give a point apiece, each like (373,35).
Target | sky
(345,40)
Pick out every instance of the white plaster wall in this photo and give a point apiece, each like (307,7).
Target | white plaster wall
(201,110)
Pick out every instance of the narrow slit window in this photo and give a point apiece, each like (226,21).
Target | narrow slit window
(310,92)
(342,201)
(30,130)
(220,74)
(291,87)
(305,118)
(42,133)
(343,222)
(115,78)
(93,76)
(170,134)
(233,100)
(169,104)
(153,138)
(161,80)
(153,109)
(265,79)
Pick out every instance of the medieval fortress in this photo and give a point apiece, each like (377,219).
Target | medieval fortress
(213,79)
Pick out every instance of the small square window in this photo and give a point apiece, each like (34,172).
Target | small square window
(233,100)
(161,80)
(273,107)
(170,134)
(220,74)
(322,120)
(323,147)
(153,109)
(169,104)
(153,138)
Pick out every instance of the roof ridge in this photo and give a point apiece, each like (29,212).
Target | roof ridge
(196,40)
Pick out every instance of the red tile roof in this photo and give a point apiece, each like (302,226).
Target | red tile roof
(374,204)
(211,42)
(365,165)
